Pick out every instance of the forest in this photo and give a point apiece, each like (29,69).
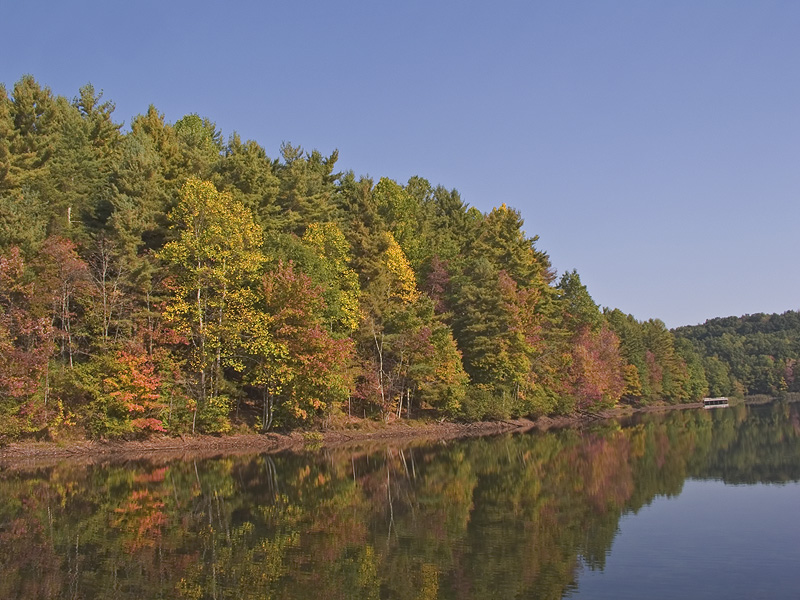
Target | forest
(753,354)
(163,278)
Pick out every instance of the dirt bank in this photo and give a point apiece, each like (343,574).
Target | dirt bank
(163,448)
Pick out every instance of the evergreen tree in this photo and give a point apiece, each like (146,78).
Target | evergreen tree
(633,350)
(6,131)
(81,167)
(200,145)
(307,187)
(502,240)
(697,385)
(496,357)
(145,184)
(36,120)
(408,216)
(24,217)
(249,175)
(363,228)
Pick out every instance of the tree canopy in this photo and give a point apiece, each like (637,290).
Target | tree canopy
(166,278)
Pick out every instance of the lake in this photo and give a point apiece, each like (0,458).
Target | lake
(694,504)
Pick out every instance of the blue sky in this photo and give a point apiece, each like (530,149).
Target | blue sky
(653,146)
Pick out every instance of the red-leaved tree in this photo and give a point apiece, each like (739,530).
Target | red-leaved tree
(25,346)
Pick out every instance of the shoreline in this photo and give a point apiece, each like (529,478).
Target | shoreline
(29,454)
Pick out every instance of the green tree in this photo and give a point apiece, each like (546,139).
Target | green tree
(339,281)
(696,386)
(145,185)
(719,378)
(247,172)
(407,212)
(307,186)
(579,308)
(6,131)
(501,239)
(24,218)
(667,371)
(363,228)
(452,228)
(633,350)
(81,167)
(200,145)
(488,327)
(36,122)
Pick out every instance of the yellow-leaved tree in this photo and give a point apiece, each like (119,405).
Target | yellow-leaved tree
(410,353)
(214,261)
(402,281)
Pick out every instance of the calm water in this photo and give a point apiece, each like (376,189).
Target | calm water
(694,504)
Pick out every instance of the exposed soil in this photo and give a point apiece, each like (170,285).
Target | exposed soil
(162,448)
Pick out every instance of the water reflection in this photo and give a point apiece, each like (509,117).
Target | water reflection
(503,517)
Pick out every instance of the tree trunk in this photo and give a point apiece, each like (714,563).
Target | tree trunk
(379,347)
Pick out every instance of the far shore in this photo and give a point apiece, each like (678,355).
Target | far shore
(30,454)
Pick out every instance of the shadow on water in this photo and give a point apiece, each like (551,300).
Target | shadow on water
(502,517)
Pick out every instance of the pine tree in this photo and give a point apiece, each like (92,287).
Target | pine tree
(307,187)
(249,175)
(80,170)
(363,227)
(200,145)
(6,131)
(36,120)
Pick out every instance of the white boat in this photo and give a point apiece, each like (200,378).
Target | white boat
(715,402)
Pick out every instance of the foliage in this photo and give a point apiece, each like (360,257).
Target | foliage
(753,354)
(340,283)
(289,354)
(121,395)
(204,282)
(596,371)
(25,346)
(214,259)
(665,368)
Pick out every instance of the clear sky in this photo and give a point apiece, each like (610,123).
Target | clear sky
(653,146)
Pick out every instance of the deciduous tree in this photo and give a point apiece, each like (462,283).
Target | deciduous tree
(214,259)
(289,353)
(25,347)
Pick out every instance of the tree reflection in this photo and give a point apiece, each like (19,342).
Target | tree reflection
(502,517)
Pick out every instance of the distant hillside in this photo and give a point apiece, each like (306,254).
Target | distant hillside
(753,354)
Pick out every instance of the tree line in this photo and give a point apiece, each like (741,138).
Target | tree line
(165,278)
(753,354)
